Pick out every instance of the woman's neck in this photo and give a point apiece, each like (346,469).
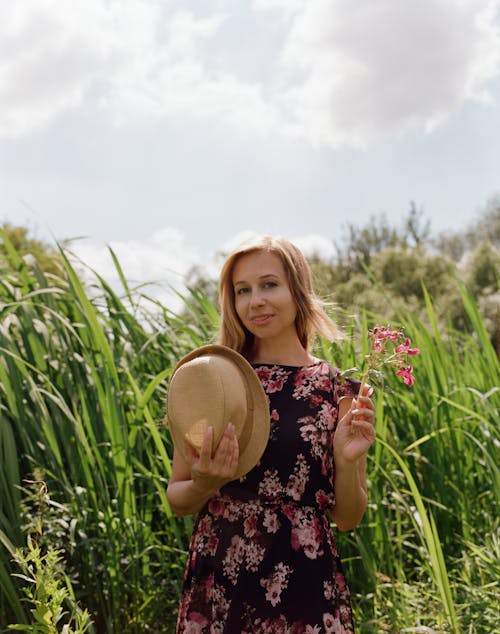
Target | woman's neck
(281,352)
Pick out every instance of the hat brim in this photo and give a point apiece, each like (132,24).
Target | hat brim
(258,417)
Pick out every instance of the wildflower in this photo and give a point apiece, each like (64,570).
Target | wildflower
(384,332)
(389,346)
(407,375)
(404,348)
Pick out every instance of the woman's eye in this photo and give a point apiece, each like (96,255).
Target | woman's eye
(242,290)
(270,285)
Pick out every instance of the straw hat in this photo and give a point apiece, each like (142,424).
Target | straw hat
(214,386)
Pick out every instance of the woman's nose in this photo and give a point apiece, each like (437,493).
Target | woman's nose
(256,299)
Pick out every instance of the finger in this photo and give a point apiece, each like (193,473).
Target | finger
(230,432)
(225,460)
(365,390)
(365,428)
(224,448)
(233,453)
(365,403)
(206,448)
(364,413)
(364,398)
(232,440)
(364,408)
(344,421)
(345,405)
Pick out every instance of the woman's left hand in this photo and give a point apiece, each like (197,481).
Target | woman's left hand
(355,431)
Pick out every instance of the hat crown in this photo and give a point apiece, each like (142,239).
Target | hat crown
(211,380)
(212,386)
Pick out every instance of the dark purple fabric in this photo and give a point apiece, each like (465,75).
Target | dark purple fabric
(263,558)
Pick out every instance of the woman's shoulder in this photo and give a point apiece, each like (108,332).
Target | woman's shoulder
(343,383)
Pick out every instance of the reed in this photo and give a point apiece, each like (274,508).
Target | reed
(433,485)
(83,374)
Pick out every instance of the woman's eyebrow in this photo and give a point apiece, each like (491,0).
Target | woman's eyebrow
(261,277)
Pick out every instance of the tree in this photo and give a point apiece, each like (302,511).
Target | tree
(47,257)
(486,228)
(416,228)
(482,268)
(482,276)
(363,243)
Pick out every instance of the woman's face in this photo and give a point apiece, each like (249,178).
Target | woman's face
(263,300)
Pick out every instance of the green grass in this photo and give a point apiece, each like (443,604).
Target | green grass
(83,374)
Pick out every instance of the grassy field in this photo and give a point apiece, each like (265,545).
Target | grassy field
(87,536)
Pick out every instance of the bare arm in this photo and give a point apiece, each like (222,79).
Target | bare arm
(192,484)
(350,494)
(354,435)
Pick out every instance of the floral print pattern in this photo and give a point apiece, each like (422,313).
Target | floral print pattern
(263,559)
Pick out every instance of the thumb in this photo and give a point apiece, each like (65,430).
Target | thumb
(346,404)
(366,390)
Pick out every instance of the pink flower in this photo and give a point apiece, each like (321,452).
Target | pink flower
(271,522)
(331,624)
(323,499)
(276,583)
(384,332)
(405,348)
(295,539)
(276,386)
(315,400)
(264,373)
(340,581)
(306,536)
(216,507)
(390,347)
(273,594)
(196,623)
(378,345)
(213,542)
(250,526)
(407,375)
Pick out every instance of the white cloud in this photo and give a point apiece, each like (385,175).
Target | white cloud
(239,239)
(49,57)
(342,76)
(315,245)
(388,66)
(311,245)
(289,6)
(161,261)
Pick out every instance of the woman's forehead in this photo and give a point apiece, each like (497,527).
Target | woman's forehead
(257,264)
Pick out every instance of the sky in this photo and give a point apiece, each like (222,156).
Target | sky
(171,130)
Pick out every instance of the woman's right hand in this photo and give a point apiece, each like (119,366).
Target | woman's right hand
(198,476)
(210,472)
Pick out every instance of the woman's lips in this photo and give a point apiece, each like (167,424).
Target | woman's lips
(261,320)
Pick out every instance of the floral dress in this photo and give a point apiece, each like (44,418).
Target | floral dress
(263,558)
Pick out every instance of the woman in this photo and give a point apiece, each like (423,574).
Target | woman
(263,557)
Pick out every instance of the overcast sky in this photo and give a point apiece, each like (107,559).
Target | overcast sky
(166,129)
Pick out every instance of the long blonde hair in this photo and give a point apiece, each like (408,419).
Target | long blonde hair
(311,316)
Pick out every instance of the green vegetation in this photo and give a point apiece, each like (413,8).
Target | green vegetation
(30,248)
(87,537)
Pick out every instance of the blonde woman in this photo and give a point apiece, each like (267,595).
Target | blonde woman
(263,556)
